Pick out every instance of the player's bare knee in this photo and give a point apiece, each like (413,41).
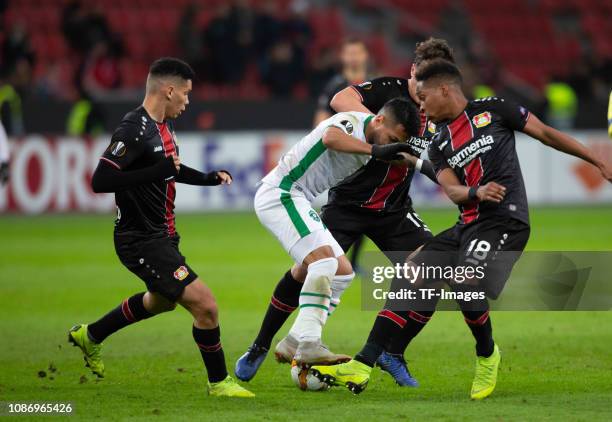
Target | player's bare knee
(298,272)
(344,266)
(320,253)
(207,315)
(203,306)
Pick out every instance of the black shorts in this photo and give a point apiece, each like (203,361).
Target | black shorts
(495,244)
(396,234)
(157,262)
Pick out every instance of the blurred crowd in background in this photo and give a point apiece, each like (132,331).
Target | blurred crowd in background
(551,55)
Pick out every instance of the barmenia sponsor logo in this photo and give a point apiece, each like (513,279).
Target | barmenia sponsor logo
(478,146)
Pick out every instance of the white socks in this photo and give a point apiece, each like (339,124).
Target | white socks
(315,300)
(338,285)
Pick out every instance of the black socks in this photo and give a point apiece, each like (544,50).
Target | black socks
(130,311)
(209,343)
(284,301)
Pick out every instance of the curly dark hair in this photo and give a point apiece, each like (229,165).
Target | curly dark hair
(433,48)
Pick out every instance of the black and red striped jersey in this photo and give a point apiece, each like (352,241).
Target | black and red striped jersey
(141,142)
(378,186)
(479,146)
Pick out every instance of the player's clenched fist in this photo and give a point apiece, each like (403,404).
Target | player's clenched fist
(177,162)
(492,191)
(224,177)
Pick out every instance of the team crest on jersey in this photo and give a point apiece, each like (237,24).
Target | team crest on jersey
(314,215)
(348,126)
(181,273)
(117,149)
(366,85)
(482,119)
(431,127)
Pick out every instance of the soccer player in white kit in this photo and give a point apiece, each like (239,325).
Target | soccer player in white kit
(334,150)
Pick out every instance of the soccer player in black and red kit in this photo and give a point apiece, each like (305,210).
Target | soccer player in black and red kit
(476,163)
(375,202)
(142,166)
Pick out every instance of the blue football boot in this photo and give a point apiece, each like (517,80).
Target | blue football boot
(396,366)
(249,363)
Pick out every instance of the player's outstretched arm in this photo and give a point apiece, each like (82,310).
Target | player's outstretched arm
(109,178)
(565,143)
(338,140)
(461,194)
(348,100)
(192,176)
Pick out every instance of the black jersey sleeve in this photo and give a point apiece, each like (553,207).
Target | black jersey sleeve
(513,116)
(125,145)
(436,157)
(333,86)
(192,176)
(376,92)
(107,178)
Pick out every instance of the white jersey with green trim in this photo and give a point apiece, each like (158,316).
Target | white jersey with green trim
(309,167)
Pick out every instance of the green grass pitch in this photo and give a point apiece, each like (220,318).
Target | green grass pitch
(59,270)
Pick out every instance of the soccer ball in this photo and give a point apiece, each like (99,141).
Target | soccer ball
(301,376)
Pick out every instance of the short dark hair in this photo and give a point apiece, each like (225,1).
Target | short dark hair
(403,112)
(433,48)
(439,68)
(354,40)
(170,66)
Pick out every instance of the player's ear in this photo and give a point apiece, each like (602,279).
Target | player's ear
(444,89)
(169,92)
